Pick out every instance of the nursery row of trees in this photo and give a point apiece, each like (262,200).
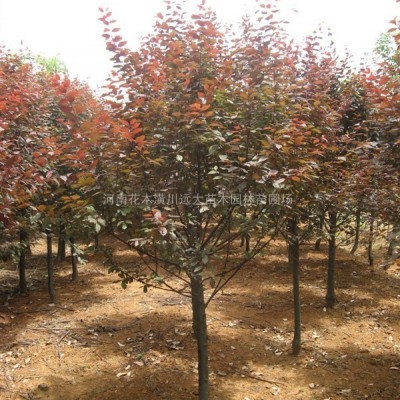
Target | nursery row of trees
(193,136)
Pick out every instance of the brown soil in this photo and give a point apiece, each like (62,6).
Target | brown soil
(102,342)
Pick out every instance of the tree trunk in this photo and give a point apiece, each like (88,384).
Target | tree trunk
(394,240)
(371,240)
(23,240)
(73,260)
(357,236)
(96,243)
(50,270)
(245,240)
(61,252)
(200,331)
(291,227)
(330,293)
(320,227)
(28,245)
(295,265)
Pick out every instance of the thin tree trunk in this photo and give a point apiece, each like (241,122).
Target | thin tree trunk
(371,240)
(50,270)
(330,293)
(290,258)
(23,240)
(394,240)
(96,243)
(200,331)
(73,260)
(320,226)
(61,252)
(294,259)
(245,240)
(28,245)
(357,235)
(247,244)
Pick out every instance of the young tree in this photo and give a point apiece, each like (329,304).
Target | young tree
(186,149)
(41,147)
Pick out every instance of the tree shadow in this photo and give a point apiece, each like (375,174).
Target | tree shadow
(87,346)
(151,357)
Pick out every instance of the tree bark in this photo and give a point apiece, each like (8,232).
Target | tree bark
(295,266)
(330,293)
(73,260)
(23,241)
(61,252)
(200,331)
(50,269)
(357,235)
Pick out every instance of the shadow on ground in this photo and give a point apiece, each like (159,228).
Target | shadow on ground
(101,342)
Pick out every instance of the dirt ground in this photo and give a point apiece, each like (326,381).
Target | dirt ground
(102,342)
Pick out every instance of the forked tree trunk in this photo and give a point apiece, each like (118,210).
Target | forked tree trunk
(73,260)
(330,292)
(50,270)
(371,240)
(295,266)
(61,251)
(200,332)
(357,234)
(23,240)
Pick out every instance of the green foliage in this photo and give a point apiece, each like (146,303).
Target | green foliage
(386,49)
(52,65)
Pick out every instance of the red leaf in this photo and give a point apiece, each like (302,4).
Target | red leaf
(140,141)
(94,164)
(126,134)
(136,131)
(134,123)
(195,106)
(41,161)
(205,107)
(298,140)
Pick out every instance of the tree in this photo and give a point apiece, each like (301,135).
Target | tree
(383,88)
(40,116)
(26,146)
(186,147)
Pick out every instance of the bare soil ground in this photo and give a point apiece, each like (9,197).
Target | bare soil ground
(102,342)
